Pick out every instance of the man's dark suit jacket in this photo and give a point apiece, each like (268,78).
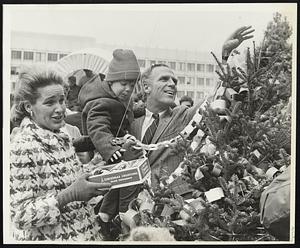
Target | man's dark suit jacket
(171,123)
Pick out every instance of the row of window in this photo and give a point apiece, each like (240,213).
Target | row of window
(209,82)
(36,56)
(199,94)
(182,66)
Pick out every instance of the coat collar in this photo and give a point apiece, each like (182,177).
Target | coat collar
(46,136)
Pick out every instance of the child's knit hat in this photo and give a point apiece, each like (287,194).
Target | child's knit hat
(124,66)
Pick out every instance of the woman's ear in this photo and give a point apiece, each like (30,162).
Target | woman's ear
(28,107)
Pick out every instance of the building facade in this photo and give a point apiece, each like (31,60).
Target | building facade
(195,70)
(35,48)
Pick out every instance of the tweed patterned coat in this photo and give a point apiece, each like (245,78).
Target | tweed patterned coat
(42,163)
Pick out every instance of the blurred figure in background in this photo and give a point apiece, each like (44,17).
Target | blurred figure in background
(186,101)
(87,77)
(138,105)
(72,95)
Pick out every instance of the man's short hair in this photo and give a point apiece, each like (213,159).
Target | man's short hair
(146,74)
(186,99)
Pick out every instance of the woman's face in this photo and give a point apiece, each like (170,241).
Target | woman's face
(49,110)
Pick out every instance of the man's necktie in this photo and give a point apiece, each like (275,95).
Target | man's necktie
(151,130)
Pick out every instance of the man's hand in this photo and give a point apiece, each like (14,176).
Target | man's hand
(235,39)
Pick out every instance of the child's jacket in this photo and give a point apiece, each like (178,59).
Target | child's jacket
(102,115)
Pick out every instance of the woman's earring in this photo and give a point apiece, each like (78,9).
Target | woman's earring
(31,113)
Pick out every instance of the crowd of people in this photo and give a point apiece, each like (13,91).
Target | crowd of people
(52,150)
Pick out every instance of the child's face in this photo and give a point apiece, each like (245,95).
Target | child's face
(123,89)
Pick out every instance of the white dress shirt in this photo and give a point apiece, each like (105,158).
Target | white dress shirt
(148,121)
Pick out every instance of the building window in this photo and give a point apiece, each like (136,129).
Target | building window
(16,54)
(172,65)
(200,82)
(210,68)
(161,62)
(190,67)
(52,56)
(181,80)
(14,70)
(181,66)
(190,94)
(62,55)
(209,82)
(180,94)
(152,62)
(28,55)
(200,67)
(200,94)
(40,56)
(190,80)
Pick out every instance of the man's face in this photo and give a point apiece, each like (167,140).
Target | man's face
(186,103)
(162,87)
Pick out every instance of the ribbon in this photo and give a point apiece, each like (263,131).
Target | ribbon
(185,133)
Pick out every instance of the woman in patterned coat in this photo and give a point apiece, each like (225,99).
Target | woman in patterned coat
(49,190)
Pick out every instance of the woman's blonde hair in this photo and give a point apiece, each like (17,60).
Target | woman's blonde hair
(30,80)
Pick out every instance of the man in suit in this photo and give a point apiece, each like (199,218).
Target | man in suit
(160,87)
(163,120)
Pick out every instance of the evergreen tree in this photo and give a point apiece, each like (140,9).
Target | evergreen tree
(241,142)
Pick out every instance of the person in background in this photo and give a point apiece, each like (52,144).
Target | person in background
(75,118)
(102,76)
(138,105)
(186,101)
(49,190)
(88,75)
(74,133)
(107,113)
(72,95)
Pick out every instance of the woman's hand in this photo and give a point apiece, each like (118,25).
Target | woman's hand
(235,39)
(82,190)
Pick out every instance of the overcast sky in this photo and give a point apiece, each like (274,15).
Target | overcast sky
(199,27)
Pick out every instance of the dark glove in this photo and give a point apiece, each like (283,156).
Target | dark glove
(81,190)
(83,144)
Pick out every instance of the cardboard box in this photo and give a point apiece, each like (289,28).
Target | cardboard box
(124,174)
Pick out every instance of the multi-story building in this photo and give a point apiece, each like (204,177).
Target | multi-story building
(35,48)
(195,70)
